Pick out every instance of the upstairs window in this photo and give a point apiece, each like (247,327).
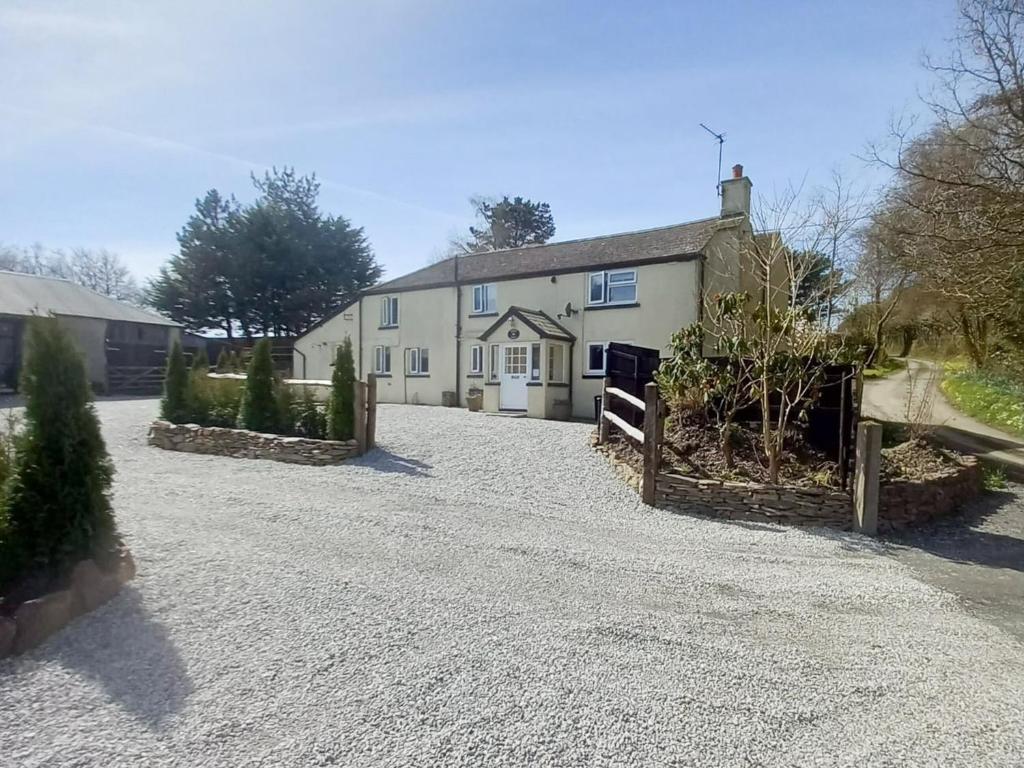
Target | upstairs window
(389,312)
(418,362)
(614,286)
(485,299)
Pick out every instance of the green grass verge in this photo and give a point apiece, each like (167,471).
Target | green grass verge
(884,369)
(991,399)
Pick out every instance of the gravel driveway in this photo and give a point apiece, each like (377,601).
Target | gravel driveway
(483,591)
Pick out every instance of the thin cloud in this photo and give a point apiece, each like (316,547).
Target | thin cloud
(162,144)
(47,24)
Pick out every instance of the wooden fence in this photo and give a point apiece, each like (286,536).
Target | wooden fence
(649,438)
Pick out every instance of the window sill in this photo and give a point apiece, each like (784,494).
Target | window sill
(535,384)
(590,375)
(492,383)
(474,375)
(382,375)
(417,375)
(483,314)
(386,327)
(558,384)
(628,305)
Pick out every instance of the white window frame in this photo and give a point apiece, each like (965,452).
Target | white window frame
(476,359)
(494,360)
(414,361)
(588,371)
(604,358)
(382,360)
(481,294)
(607,282)
(556,376)
(389,312)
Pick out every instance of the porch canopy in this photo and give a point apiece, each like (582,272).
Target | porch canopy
(528,365)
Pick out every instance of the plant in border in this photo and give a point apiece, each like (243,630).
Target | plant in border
(259,409)
(57,507)
(341,405)
(174,406)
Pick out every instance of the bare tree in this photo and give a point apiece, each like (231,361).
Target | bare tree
(100,270)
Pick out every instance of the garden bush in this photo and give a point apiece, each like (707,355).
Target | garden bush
(341,405)
(174,406)
(259,410)
(310,418)
(285,408)
(57,509)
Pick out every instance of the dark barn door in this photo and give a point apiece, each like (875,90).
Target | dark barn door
(10,352)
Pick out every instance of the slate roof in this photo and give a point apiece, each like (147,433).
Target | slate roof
(537,321)
(34,295)
(648,245)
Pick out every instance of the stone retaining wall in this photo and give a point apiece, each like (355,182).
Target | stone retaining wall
(89,587)
(902,503)
(753,501)
(243,444)
(906,503)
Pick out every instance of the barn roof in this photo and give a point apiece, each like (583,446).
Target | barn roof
(27,295)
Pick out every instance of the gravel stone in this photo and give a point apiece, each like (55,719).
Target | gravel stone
(484,591)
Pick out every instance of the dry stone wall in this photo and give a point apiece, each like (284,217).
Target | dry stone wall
(902,503)
(243,444)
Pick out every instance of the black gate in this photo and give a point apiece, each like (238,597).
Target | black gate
(631,368)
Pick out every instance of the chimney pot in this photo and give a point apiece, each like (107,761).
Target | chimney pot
(737,171)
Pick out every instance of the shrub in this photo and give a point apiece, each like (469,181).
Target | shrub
(310,418)
(993,477)
(225,361)
(224,400)
(341,405)
(200,362)
(285,408)
(174,406)
(57,508)
(259,406)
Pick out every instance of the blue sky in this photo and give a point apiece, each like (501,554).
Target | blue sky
(115,116)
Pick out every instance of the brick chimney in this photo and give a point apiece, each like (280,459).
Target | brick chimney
(736,193)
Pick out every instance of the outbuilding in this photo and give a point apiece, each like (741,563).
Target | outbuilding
(124,347)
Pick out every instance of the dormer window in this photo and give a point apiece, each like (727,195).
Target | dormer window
(612,286)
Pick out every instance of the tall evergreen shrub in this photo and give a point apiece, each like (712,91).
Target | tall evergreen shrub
(174,406)
(198,392)
(259,411)
(341,406)
(57,507)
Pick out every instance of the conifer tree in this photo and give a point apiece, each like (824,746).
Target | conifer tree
(259,405)
(57,508)
(225,361)
(341,406)
(174,405)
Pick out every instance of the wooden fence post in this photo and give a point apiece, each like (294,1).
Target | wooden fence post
(359,406)
(602,422)
(371,411)
(865,480)
(652,443)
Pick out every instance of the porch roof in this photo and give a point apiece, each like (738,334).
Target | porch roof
(537,321)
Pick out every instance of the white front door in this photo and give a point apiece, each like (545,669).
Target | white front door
(515,363)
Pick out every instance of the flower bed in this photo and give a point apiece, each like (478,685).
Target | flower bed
(903,501)
(27,624)
(243,444)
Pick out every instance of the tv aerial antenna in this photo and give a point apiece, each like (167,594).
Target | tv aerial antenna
(721,140)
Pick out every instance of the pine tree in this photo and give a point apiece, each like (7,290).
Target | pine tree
(57,509)
(259,405)
(174,405)
(341,406)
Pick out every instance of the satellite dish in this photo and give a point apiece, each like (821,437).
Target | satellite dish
(568,309)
